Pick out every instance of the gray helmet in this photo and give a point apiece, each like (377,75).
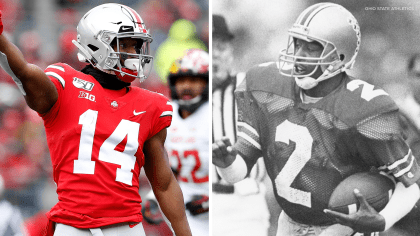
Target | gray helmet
(106,24)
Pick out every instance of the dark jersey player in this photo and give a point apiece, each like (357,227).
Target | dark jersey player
(315,125)
(100,130)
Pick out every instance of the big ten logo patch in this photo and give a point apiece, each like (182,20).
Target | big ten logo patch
(88,96)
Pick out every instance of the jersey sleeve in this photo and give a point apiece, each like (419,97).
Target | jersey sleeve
(57,74)
(164,115)
(248,141)
(381,138)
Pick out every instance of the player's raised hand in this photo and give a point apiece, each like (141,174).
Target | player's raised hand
(365,220)
(223,153)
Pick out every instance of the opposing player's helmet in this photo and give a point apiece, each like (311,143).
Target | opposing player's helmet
(195,62)
(335,28)
(107,24)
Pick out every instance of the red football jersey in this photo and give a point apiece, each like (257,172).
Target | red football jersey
(309,148)
(96,138)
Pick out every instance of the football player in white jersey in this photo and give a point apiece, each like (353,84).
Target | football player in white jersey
(188,137)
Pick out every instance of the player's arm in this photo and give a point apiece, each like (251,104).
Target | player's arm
(229,164)
(395,210)
(234,162)
(399,160)
(164,185)
(40,93)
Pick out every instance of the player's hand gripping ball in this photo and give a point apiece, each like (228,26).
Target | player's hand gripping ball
(376,188)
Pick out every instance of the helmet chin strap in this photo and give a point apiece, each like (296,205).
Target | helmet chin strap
(307,83)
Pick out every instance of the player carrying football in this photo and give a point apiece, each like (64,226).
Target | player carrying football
(315,125)
(100,130)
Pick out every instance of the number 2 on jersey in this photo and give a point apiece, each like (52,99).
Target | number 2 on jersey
(286,132)
(107,153)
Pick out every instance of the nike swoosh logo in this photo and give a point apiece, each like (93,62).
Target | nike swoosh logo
(125,28)
(138,113)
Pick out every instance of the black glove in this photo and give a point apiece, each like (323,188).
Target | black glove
(198,204)
(151,212)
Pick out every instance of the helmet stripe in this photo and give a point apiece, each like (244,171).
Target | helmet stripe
(320,8)
(304,15)
(308,14)
(138,18)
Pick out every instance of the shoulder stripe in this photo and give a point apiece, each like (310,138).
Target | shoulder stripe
(249,140)
(56,67)
(248,127)
(166,113)
(57,76)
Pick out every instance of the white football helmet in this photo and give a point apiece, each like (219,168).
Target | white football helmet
(336,29)
(103,24)
(194,63)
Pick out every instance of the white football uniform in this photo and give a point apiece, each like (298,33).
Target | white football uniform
(187,144)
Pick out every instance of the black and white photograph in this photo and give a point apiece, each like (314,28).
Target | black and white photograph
(315,118)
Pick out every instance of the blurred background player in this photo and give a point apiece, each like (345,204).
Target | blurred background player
(295,113)
(230,217)
(43,30)
(11,220)
(188,138)
(97,167)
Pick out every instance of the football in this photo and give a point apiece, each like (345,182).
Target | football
(375,187)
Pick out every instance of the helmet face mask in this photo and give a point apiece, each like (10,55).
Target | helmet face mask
(126,65)
(107,24)
(335,29)
(288,58)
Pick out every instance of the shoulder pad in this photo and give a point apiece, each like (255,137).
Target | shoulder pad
(266,77)
(61,72)
(154,98)
(359,100)
(267,87)
(63,67)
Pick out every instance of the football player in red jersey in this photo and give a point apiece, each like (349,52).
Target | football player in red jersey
(100,130)
(315,125)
